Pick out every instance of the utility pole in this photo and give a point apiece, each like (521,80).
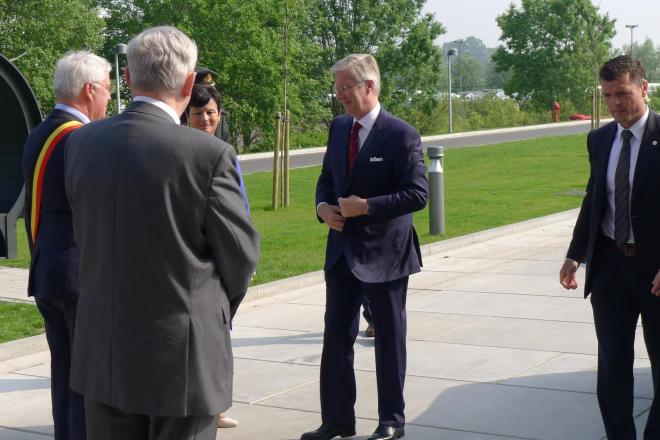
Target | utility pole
(631,27)
(119,49)
(450,53)
(460,67)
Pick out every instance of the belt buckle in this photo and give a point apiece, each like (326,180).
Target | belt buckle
(629,250)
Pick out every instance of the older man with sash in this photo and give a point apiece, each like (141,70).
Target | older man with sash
(82,90)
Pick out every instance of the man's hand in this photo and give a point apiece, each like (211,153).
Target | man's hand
(353,206)
(330,214)
(655,286)
(567,274)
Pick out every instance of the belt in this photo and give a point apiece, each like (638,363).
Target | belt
(626,249)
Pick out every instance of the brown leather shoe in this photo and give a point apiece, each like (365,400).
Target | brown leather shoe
(370,332)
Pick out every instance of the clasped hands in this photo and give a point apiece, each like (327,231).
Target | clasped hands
(568,277)
(335,215)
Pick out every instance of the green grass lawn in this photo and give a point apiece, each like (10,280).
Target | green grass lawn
(19,321)
(485,187)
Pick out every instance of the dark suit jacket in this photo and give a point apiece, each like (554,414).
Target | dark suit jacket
(644,204)
(167,250)
(390,173)
(54,263)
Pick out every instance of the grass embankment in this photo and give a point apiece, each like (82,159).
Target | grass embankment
(19,321)
(485,187)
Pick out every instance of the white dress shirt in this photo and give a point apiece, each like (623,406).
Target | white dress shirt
(638,131)
(367,122)
(74,111)
(161,105)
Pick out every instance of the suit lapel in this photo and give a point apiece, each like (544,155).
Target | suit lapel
(646,152)
(341,146)
(604,163)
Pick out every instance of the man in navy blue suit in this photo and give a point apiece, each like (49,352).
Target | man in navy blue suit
(617,235)
(373,179)
(82,89)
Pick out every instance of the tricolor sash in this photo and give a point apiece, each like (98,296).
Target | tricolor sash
(40,170)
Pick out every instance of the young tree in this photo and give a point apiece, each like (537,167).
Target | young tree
(553,48)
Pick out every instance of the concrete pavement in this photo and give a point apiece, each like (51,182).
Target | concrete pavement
(496,350)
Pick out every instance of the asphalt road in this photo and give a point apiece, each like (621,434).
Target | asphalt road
(259,164)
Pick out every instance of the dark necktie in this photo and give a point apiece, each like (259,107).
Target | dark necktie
(353,145)
(622,191)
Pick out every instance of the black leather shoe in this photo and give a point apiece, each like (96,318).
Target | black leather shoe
(384,432)
(329,431)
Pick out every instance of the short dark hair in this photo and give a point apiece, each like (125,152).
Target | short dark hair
(202,94)
(621,65)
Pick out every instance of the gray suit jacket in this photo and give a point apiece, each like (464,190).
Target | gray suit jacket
(166,253)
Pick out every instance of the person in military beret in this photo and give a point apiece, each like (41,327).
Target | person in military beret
(206,77)
(204,112)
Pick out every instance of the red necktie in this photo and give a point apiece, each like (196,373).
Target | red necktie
(353,144)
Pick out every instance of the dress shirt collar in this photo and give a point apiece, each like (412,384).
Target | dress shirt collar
(367,121)
(73,111)
(637,128)
(161,105)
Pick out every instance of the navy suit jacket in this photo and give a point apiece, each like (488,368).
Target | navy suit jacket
(55,257)
(644,203)
(390,173)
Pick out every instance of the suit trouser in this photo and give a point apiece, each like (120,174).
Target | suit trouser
(620,295)
(344,294)
(68,406)
(105,422)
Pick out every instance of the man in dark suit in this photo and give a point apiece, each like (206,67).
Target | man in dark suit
(81,87)
(617,234)
(373,178)
(167,249)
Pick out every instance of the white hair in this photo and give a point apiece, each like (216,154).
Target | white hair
(160,59)
(362,66)
(75,69)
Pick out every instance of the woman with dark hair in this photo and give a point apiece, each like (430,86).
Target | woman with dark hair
(203,113)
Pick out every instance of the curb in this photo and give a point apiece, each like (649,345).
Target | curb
(23,347)
(313,278)
(438,137)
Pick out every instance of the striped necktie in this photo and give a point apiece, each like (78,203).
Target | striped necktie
(622,191)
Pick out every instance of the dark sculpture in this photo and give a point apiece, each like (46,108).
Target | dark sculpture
(19,114)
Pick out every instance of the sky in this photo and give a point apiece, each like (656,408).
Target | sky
(464,18)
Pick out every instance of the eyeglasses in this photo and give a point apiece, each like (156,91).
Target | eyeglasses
(109,88)
(347,88)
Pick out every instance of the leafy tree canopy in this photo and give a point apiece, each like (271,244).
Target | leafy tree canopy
(395,32)
(553,48)
(37,32)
